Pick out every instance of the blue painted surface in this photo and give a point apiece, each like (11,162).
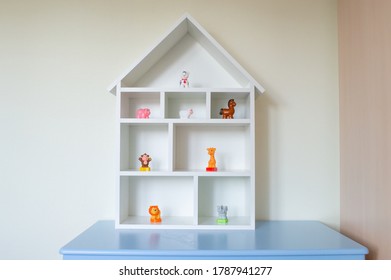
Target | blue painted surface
(270,240)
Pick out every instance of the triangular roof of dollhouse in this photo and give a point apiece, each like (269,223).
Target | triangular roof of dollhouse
(187,46)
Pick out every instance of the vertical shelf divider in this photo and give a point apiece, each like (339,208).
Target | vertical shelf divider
(171,147)
(252,152)
(163,105)
(195,200)
(118,153)
(208,105)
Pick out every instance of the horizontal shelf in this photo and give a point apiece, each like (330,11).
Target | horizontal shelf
(210,121)
(232,221)
(190,89)
(187,173)
(186,121)
(143,121)
(144,220)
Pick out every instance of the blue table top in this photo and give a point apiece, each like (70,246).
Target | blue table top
(270,240)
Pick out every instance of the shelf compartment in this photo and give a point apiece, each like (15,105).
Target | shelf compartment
(219,99)
(137,139)
(232,143)
(132,101)
(184,100)
(138,193)
(233,192)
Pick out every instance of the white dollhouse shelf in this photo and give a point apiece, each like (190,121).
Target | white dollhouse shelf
(186,194)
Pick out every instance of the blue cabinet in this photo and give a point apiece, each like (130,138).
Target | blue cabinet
(271,240)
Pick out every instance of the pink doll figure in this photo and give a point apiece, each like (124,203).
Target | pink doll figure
(184,82)
(143,113)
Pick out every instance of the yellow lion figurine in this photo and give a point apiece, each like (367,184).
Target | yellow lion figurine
(155,214)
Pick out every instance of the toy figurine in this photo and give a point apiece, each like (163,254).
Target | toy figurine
(186,114)
(155,214)
(184,82)
(228,113)
(212,160)
(143,113)
(222,217)
(145,159)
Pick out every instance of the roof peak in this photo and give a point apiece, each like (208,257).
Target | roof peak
(185,45)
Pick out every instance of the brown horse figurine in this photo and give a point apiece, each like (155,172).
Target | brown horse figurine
(228,113)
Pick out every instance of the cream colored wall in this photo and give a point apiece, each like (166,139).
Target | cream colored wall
(57,146)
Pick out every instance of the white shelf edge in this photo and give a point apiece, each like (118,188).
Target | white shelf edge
(211,121)
(157,90)
(205,223)
(142,121)
(152,173)
(234,221)
(166,220)
(186,121)
(183,227)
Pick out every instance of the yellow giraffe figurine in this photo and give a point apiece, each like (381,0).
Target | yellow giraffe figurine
(212,160)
